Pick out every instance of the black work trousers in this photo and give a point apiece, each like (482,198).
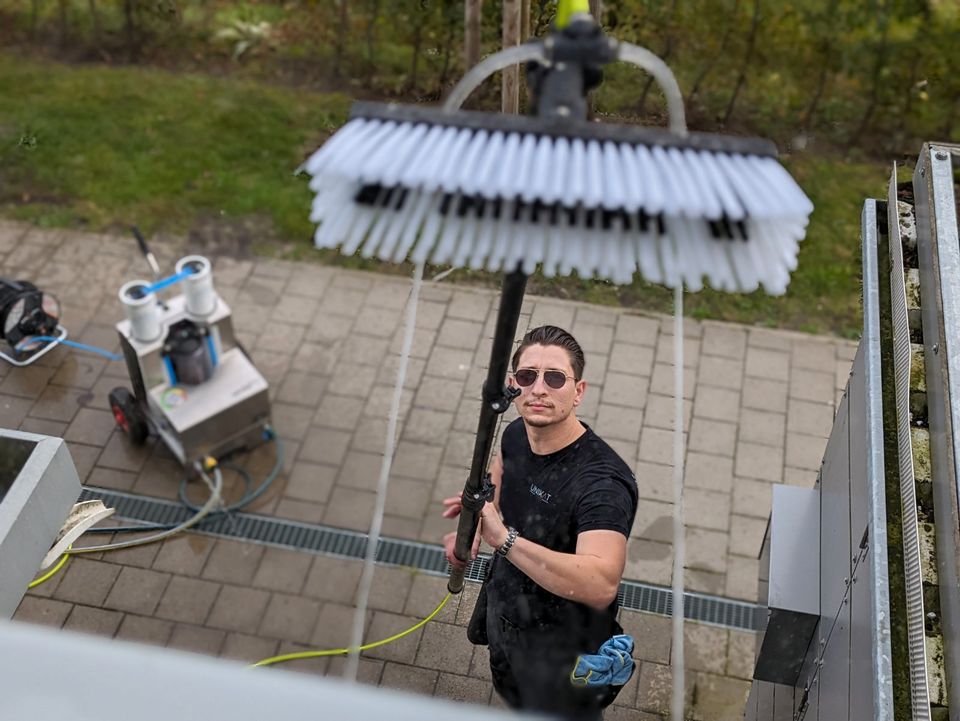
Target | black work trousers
(531,671)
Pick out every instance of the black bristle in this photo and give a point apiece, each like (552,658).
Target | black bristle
(727,228)
(539,210)
(592,218)
(740,229)
(608,216)
(368,194)
(643,221)
(445,203)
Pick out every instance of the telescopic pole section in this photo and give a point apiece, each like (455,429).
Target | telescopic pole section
(496,400)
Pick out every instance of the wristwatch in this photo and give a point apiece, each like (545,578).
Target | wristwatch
(512,535)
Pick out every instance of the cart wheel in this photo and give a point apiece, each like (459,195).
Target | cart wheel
(129,417)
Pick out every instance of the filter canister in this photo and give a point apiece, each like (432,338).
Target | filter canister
(198,286)
(140,307)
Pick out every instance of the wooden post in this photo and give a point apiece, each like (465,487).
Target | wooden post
(471,42)
(510,98)
(596,9)
(524,36)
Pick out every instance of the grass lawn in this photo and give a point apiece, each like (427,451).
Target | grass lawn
(102,148)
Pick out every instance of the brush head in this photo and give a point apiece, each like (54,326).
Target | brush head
(497,192)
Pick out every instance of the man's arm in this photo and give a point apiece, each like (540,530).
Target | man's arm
(590,576)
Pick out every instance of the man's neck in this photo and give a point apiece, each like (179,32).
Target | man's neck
(545,440)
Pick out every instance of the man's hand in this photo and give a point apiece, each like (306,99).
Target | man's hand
(492,528)
(452,509)
(450,541)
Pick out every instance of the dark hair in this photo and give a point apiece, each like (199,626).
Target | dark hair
(551,335)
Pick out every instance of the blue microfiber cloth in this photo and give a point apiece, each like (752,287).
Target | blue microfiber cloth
(612,665)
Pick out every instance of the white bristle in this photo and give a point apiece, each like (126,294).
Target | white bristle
(372,241)
(539,170)
(614,196)
(557,172)
(519,181)
(732,207)
(594,181)
(484,239)
(691,270)
(480,182)
(426,208)
(574,191)
(361,226)
(646,254)
(609,252)
(447,242)
(496,199)
(404,155)
(390,238)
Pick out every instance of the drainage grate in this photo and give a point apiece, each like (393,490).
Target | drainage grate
(634,595)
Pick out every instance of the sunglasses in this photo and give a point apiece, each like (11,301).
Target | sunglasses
(526,377)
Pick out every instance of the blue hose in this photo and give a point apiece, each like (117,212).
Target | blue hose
(73,344)
(168,281)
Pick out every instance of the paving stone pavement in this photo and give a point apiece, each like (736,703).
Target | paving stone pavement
(759,405)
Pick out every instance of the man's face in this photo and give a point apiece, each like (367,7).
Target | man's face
(539,404)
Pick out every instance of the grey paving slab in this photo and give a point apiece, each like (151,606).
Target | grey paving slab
(98,621)
(196,639)
(137,590)
(188,600)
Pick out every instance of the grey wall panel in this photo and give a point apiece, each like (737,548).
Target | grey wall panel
(783,697)
(764,699)
(835,698)
(808,680)
(750,711)
(811,707)
(857,424)
(834,520)
(861,638)
(795,547)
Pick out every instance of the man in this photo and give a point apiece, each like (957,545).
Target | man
(560,520)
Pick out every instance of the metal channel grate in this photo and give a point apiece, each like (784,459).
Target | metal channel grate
(633,595)
(913,573)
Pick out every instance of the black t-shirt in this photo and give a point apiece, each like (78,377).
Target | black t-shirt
(550,499)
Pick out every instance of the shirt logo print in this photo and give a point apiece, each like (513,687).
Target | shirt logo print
(540,493)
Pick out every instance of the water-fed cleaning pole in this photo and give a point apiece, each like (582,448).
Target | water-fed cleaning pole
(559,90)
(496,399)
